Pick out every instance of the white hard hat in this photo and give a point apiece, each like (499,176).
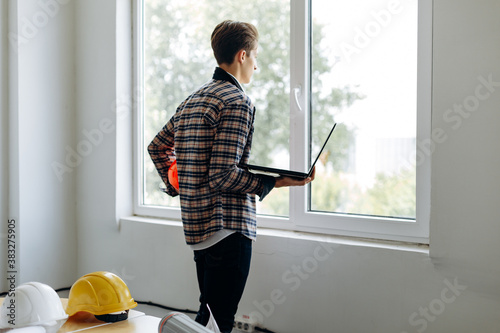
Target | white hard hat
(32,304)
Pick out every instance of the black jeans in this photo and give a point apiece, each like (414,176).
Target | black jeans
(222,271)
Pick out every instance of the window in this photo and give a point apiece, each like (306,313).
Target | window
(363,64)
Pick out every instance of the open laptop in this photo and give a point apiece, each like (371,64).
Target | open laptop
(257,169)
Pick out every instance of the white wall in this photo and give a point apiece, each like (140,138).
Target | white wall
(4,133)
(100,89)
(297,284)
(41,117)
(466,184)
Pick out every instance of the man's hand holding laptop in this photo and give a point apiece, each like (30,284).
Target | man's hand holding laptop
(288,181)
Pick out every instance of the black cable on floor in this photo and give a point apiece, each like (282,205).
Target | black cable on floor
(166,307)
(62,289)
(263,330)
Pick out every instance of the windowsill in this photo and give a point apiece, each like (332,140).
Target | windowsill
(346,240)
(279,233)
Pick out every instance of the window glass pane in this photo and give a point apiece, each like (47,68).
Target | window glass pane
(178,59)
(364,77)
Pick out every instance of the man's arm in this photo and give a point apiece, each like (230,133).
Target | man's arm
(229,144)
(162,152)
(232,134)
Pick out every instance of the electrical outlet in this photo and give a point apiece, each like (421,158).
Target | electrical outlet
(245,323)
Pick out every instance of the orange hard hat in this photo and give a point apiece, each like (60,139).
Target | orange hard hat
(173,179)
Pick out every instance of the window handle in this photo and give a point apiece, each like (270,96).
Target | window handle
(297,92)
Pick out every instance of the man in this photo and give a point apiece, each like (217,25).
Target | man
(212,135)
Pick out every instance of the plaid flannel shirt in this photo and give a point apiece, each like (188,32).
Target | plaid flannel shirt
(212,135)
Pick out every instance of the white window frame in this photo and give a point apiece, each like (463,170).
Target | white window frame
(138,142)
(300,218)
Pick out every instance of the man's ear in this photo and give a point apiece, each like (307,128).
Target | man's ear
(241,55)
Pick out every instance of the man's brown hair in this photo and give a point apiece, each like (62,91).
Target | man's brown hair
(229,37)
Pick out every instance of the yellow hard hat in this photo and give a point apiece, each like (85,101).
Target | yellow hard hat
(100,293)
